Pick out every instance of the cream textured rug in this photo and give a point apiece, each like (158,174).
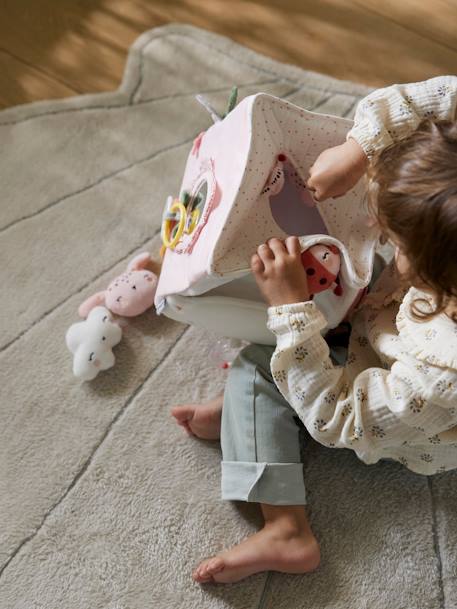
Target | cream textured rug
(104,502)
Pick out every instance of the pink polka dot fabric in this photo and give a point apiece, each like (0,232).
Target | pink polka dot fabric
(239,158)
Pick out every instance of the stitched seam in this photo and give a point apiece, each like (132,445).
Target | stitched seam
(97,182)
(141,69)
(205,91)
(138,162)
(142,102)
(62,302)
(255,67)
(436,544)
(150,157)
(265,591)
(140,75)
(89,460)
(320,103)
(46,313)
(208,46)
(348,111)
(253,412)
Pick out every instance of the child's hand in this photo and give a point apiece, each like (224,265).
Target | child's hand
(279,272)
(336,170)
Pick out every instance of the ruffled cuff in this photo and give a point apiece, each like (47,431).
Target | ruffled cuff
(371,143)
(299,320)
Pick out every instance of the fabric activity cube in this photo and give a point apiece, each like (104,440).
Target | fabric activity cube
(244,183)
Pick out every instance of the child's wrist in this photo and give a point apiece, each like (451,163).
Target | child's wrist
(357,153)
(289,299)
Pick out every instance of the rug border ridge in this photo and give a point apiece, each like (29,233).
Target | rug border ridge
(131,78)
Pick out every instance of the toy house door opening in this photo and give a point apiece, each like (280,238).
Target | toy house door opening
(293,207)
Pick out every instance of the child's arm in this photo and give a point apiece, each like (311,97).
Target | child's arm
(361,405)
(368,411)
(383,117)
(390,114)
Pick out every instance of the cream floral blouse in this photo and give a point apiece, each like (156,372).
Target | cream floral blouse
(396,397)
(392,113)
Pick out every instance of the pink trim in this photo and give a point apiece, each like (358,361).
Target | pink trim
(197,143)
(207,174)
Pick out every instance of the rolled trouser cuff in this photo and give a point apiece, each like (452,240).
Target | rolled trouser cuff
(272,483)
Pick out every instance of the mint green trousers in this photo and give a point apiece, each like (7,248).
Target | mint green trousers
(260,443)
(260,431)
(259,435)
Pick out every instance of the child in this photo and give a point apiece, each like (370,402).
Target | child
(396,395)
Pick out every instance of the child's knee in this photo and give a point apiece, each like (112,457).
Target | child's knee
(256,356)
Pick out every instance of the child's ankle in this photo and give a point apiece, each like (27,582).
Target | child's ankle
(290,520)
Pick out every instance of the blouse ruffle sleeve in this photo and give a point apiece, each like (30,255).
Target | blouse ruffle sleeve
(390,114)
(367,412)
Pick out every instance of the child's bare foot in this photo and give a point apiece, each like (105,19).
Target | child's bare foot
(280,546)
(201,420)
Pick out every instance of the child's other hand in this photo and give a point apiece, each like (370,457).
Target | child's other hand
(279,272)
(336,170)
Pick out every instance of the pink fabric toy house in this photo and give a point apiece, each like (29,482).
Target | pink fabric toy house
(244,182)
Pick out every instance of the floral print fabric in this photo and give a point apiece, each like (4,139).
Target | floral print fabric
(396,396)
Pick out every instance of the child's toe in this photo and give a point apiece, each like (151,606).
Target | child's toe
(201,573)
(182,413)
(187,428)
(215,565)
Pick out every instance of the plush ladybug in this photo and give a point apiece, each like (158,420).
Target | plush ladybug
(322,265)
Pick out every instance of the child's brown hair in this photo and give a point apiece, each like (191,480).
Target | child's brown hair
(416,203)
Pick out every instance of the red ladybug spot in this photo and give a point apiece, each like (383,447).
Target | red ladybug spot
(282,157)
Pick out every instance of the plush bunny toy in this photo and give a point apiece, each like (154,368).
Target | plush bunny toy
(91,342)
(128,294)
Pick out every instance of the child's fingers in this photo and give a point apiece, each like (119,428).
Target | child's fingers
(293,246)
(312,183)
(277,246)
(257,265)
(315,193)
(265,254)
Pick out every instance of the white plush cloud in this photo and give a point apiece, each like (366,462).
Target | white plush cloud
(91,342)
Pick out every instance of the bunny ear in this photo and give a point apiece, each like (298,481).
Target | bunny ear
(73,337)
(139,262)
(93,301)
